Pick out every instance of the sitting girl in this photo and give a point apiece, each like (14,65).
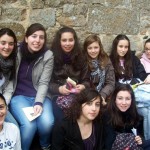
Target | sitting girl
(145,60)
(82,129)
(121,117)
(9,133)
(100,66)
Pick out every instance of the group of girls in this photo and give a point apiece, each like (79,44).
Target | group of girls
(34,76)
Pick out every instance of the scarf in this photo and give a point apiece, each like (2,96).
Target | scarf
(97,75)
(28,56)
(6,65)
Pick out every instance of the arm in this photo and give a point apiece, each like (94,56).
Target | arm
(109,83)
(8,91)
(109,133)
(58,137)
(138,69)
(18,139)
(45,76)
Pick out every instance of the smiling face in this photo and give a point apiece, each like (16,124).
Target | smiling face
(6,45)
(35,41)
(122,48)
(67,41)
(147,50)
(93,50)
(3,111)
(90,110)
(123,101)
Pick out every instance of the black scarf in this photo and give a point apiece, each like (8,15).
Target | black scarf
(6,65)
(28,56)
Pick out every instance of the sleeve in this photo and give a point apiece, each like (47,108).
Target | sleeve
(85,75)
(18,139)
(58,137)
(109,84)
(44,80)
(109,133)
(138,70)
(8,91)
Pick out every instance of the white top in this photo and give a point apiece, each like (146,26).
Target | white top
(10,137)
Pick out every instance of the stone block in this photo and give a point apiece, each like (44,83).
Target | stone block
(17,14)
(37,3)
(68,9)
(43,16)
(16,27)
(78,20)
(104,20)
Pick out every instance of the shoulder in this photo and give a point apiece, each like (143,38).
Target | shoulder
(11,126)
(48,54)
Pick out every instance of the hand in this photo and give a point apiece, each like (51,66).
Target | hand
(147,80)
(103,101)
(138,140)
(79,87)
(63,90)
(37,109)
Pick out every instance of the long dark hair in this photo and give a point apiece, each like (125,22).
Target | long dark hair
(147,41)
(102,57)
(30,30)
(76,55)
(3,98)
(115,58)
(9,32)
(84,96)
(116,118)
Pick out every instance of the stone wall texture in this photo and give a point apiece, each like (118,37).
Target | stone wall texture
(106,18)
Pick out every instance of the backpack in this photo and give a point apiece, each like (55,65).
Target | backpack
(125,141)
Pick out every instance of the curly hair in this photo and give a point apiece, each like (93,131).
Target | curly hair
(84,96)
(76,53)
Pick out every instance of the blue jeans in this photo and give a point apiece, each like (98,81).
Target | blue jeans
(11,119)
(145,112)
(42,125)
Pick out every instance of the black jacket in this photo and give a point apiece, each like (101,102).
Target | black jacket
(67,136)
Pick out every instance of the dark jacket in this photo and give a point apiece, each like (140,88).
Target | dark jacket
(60,75)
(67,136)
(110,132)
(138,68)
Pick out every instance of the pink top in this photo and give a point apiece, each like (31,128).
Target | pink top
(146,63)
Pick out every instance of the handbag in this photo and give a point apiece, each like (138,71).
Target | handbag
(65,101)
(125,141)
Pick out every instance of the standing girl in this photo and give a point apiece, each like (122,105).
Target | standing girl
(100,66)
(82,129)
(68,62)
(34,69)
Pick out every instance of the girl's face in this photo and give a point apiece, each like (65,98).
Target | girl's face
(35,41)
(67,41)
(93,50)
(91,109)
(6,45)
(122,48)
(123,101)
(3,111)
(147,50)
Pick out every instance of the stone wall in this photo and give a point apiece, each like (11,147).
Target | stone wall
(107,18)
